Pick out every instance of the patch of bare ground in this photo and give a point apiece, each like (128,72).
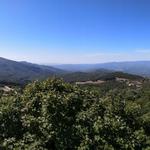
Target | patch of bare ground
(90,82)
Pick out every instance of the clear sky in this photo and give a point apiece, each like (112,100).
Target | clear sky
(75,31)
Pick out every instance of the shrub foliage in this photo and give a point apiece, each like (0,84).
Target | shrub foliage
(53,115)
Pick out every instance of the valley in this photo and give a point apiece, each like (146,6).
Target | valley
(24,72)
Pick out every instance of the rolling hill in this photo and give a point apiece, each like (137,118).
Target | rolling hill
(101,74)
(22,72)
(141,68)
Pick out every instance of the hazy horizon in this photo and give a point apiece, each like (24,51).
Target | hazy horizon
(55,64)
(75,32)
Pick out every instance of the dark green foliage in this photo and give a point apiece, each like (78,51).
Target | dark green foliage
(53,115)
(85,76)
(102,74)
(123,75)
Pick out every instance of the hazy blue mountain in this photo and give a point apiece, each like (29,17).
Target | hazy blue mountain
(76,67)
(21,72)
(136,67)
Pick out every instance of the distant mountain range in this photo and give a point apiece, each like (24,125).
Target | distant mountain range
(23,72)
(137,67)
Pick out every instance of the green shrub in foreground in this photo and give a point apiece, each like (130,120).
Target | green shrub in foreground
(56,115)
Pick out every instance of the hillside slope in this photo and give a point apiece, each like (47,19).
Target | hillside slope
(136,67)
(20,72)
(100,74)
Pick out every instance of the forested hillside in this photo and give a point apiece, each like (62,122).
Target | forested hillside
(21,72)
(54,115)
(101,74)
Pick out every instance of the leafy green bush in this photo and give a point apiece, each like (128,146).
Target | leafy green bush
(55,115)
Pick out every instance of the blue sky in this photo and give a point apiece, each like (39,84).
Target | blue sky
(75,31)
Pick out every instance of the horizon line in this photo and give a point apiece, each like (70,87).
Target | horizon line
(48,64)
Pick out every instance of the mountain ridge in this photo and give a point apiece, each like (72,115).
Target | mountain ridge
(14,71)
(133,67)
(23,72)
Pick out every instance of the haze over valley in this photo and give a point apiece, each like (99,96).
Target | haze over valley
(22,72)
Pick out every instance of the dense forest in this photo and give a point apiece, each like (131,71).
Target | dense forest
(55,115)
